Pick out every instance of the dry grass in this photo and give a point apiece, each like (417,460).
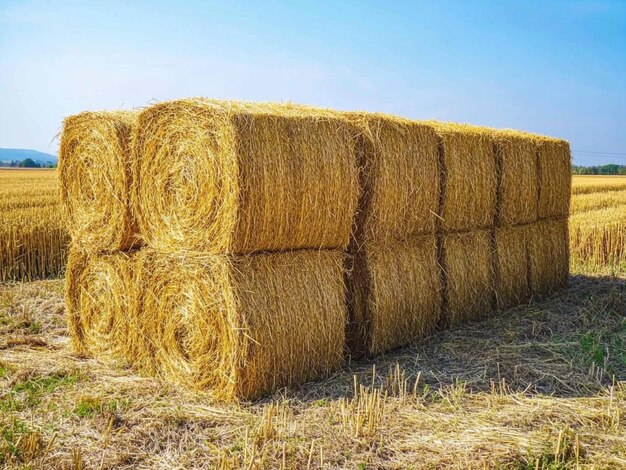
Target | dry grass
(94,174)
(512,273)
(585,184)
(234,177)
(33,237)
(538,386)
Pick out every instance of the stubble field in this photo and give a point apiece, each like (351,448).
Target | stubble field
(541,386)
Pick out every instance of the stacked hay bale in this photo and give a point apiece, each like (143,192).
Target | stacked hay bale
(531,247)
(238,247)
(245,211)
(394,283)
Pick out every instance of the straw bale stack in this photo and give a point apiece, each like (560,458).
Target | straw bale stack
(94,175)
(242,326)
(549,256)
(512,268)
(470,173)
(395,295)
(518,188)
(231,177)
(468,268)
(102,295)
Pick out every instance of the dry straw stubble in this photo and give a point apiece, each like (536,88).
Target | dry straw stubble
(233,177)
(94,175)
(243,326)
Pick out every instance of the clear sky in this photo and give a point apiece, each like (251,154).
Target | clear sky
(553,67)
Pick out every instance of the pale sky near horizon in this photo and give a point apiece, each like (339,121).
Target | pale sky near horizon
(552,67)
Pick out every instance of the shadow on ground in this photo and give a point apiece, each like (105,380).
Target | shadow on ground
(569,344)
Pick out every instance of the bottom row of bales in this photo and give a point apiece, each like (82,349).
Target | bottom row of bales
(244,326)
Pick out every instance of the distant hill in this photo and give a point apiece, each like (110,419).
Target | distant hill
(8,155)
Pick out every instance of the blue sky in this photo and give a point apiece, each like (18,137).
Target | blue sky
(557,68)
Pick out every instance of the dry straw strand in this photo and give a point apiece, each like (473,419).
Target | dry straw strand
(94,175)
(397,295)
(243,326)
(470,173)
(512,286)
(234,177)
(468,267)
(549,256)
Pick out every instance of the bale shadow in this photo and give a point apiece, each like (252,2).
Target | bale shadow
(567,344)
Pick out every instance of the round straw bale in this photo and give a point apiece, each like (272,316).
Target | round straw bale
(468,268)
(243,326)
(230,177)
(399,172)
(516,154)
(101,299)
(512,270)
(469,172)
(555,177)
(395,295)
(549,256)
(94,178)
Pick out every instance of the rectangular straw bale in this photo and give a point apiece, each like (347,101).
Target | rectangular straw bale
(469,172)
(399,173)
(244,326)
(94,176)
(102,293)
(468,271)
(516,154)
(394,293)
(512,283)
(549,256)
(555,177)
(233,177)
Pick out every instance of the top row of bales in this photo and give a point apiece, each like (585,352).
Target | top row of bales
(232,177)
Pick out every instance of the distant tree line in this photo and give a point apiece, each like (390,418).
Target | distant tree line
(27,163)
(611,169)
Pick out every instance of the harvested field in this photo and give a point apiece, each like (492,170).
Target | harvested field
(598,222)
(33,236)
(539,386)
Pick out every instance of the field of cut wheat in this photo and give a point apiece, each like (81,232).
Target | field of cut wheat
(598,221)
(33,237)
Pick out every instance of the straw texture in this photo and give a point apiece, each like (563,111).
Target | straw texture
(555,176)
(94,177)
(247,325)
(512,270)
(470,173)
(518,190)
(231,177)
(549,256)
(395,295)
(468,267)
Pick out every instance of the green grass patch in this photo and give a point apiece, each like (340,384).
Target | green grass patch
(29,393)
